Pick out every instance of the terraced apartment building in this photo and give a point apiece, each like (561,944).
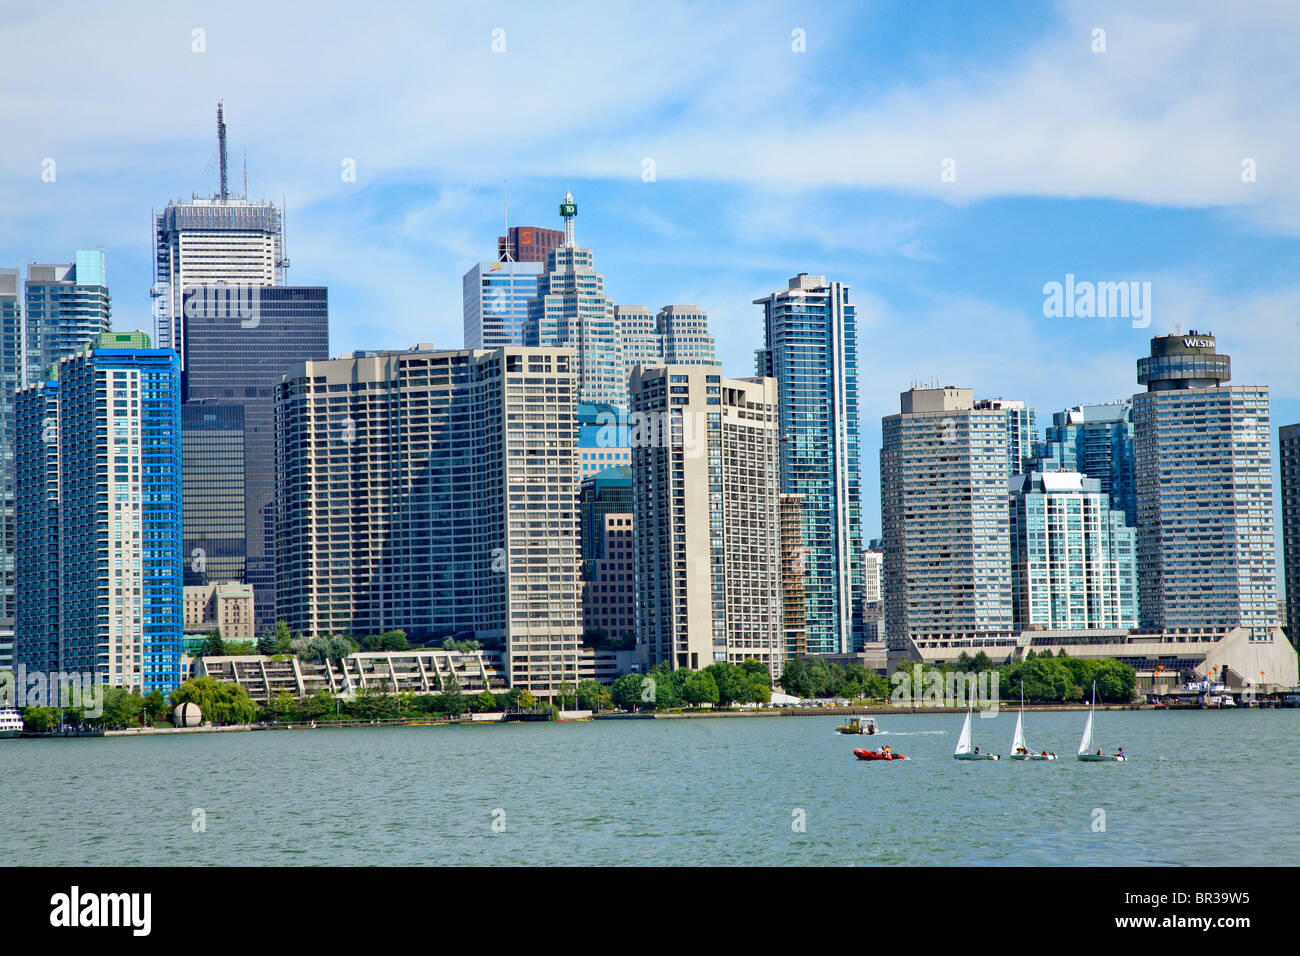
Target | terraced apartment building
(434,492)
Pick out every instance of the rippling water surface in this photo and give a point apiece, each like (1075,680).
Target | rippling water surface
(1200,788)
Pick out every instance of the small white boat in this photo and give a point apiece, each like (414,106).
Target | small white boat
(964,750)
(1019,750)
(11,723)
(1086,751)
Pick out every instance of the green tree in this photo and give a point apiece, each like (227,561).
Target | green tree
(213,645)
(219,701)
(700,688)
(461,646)
(451,701)
(484,703)
(589,696)
(41,719)
(122,707)
(626,691)
(155,704)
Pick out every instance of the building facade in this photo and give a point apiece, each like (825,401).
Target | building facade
(12,378)
(1074,561)
(213,471)
(237,360)
(226,244)
(944,469)
(1022,430)
(1289,457)
(115,550)
(1095,440)
(706,513)
(1204,468)
(495,297)
(528,244)
(811,350)
(435,492)
(66,306)
(608,589)
(794,612)
(225,608)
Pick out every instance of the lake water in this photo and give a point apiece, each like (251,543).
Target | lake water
(1200,788)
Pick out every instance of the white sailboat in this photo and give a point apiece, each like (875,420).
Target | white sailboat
(1086,745)
(1019,750)
(964,750)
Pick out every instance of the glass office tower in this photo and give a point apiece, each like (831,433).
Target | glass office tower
(811,350)
(233,358)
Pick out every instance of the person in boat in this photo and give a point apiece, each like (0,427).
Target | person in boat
(1044,753)
(1098,751)
(1120,752)
(885,750)
(977,750)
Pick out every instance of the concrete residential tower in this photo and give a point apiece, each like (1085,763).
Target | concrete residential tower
(944,469)
(1204,465)
(706,515)
(435,492)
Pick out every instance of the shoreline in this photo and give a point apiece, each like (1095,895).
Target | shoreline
(881,711)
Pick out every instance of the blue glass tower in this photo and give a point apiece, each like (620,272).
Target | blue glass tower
(811,350)
(111,423)
(1097,441)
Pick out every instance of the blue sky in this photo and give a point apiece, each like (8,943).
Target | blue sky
(1114,165)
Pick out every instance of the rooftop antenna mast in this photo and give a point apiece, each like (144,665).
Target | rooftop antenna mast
(508,255)
(245,172)
(221,145)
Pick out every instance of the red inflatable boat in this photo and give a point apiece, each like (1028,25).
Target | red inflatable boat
(876,755)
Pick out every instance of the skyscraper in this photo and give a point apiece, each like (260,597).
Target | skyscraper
(1096,440)
(226,243)
(495,297)
(944,470)
(572,311)
(811,350)
(109,426)
(528,244)
(1022,430)
(214,466)
(1289,456)
(11,379)
(64,307)
(67,305)
(706,514)
(435,492)
(1204,470)
(1073,556)
(236,357)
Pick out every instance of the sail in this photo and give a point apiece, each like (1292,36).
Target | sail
(1019,740)
(963,742)
(1086,743)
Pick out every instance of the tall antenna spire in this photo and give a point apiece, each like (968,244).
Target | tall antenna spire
(221,146)
(245,172)
(569,210)
(508,255)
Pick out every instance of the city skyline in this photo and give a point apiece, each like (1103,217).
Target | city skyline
(948,276)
